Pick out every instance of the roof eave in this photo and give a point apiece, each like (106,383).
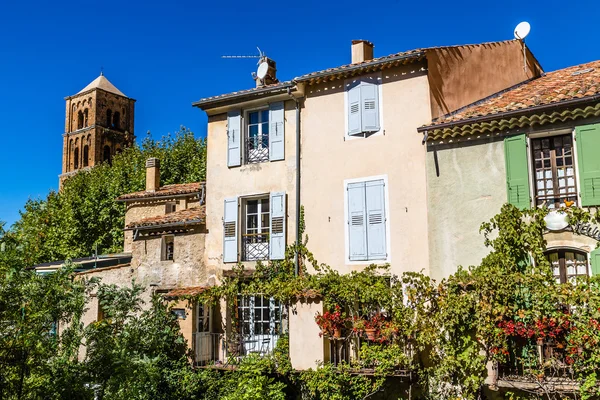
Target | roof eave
(485,118)
(198,221)
(239,97)
(164,196)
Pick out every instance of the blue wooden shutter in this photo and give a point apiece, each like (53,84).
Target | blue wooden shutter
(376,239)
(357,230)
(588,147)
(595,261)
(354,113)
(370,106)
(517,172)
(277,235)
(230,230)
(276,131)
(234,138)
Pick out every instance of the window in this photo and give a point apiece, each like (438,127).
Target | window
(85,117)
(86,155)
(567,265)
(259,315)
(116,121)
(79,120)
(170,208)
(366,220)
(255,239)
(362,107)
(168,248)
(109,118)
(554,171)
(179,313)
(76,158)
(203,318)
(257,136)
(106,154)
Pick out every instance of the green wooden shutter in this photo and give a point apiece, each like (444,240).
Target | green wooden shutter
(588,146)
(517,173)
(595,260)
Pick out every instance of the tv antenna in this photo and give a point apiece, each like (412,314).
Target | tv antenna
(263,65)
(521,32)
(260,55)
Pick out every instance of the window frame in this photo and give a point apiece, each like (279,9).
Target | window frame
(248,302)
(377,77)
(243,224)
(246,128)
(386,192)
(563,276)
(165,241)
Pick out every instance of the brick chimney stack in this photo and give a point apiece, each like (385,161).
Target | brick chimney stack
(362,50)
(152,174)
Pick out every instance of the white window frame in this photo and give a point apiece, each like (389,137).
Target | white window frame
(243,223)
(246,129)
(163,255)
(388,259)
(379,80)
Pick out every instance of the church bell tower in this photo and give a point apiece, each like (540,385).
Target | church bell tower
(98,125)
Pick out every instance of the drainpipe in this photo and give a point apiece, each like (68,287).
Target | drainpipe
(298,238)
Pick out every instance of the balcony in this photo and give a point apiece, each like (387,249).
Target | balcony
(255,246)
(541,368)
(257,149)
(215,349)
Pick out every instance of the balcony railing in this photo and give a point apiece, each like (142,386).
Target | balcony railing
(255,246)
(219,350)
(257,149)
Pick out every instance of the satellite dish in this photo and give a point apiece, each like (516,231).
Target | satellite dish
(522,30)
(262,70)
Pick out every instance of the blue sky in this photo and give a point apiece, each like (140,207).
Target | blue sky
(167,54)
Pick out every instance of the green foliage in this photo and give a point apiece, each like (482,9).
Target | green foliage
(84,215)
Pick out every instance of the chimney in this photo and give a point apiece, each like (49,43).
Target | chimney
(152,174)
(362,50)
(271,76)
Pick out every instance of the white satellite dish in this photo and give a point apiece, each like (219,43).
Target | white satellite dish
(522,30)
(262,70)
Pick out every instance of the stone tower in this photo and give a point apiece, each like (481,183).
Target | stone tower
(98,125)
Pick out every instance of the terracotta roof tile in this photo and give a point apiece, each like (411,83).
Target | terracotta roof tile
(186,291)
(165,191)
(190,216)
(240,93)
(571,83)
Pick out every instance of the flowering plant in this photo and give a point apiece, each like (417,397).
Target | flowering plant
(331,321)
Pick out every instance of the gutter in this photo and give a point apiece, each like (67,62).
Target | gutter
(492,117)
(214,102)
(165,196)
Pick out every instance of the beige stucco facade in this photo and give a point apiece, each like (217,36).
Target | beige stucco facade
(329,158)
(224,182)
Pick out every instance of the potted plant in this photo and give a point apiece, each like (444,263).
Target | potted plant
(332,322)
(370,326)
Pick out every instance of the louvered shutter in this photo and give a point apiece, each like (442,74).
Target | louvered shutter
(370,106)
(230,230)
(588,148)
(517,173)
(354,112)
(277,235)
(234,138)
(595,260)
(276,131)
(376,240)
(357,230)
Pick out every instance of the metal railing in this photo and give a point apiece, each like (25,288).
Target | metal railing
(257,149)
(255,246)
(220,350)
(532,360)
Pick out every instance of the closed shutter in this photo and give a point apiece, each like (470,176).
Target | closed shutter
(595,260)
(376,240)
(234,138)
(517,173)
(354,109)
(277,235)
(230,230)
(588,148)
(276,131)
(357,228)
(370,106)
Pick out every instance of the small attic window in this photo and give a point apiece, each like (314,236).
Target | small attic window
(583,71)
(171,208)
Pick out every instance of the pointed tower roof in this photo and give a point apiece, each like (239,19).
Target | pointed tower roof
(102,83)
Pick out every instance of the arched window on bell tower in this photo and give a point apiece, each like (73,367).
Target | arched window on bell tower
(109,118)
(117,120)
(106,154)
(86,155)
(79,120)
(76,158)
(85,117)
